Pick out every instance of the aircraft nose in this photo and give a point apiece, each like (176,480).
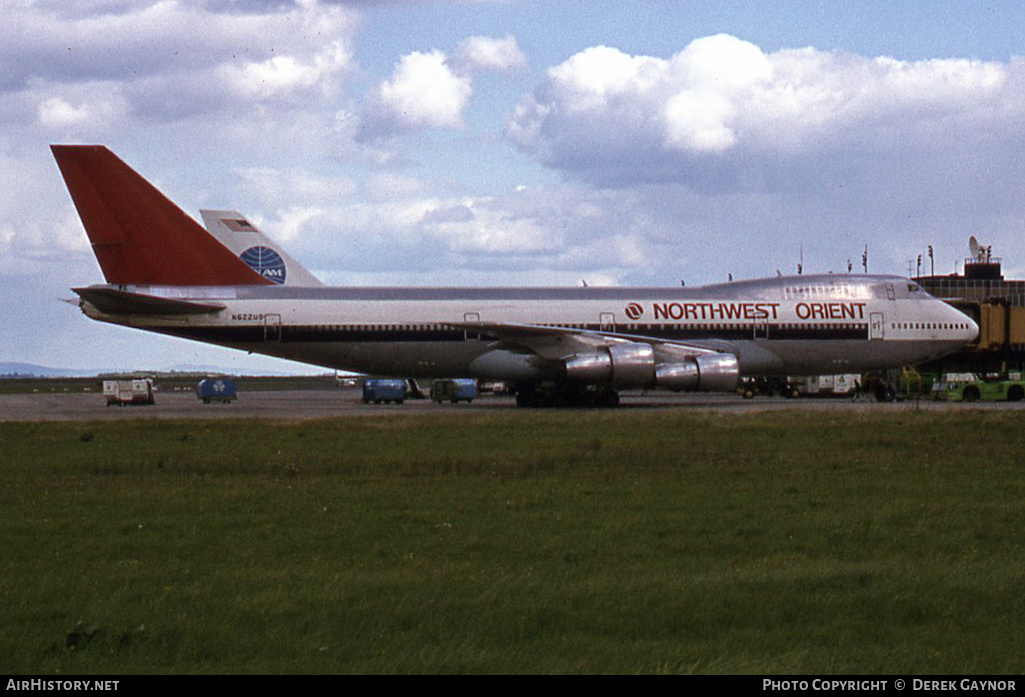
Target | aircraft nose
(973,330)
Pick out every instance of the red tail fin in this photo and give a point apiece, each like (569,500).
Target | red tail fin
(138,235)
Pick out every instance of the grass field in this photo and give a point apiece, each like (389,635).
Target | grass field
(562,542)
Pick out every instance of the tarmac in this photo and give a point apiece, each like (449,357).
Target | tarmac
(320,404)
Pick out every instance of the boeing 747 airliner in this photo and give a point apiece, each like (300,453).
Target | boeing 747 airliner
(165,273)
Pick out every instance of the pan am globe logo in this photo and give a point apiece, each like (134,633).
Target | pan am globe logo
(266,262)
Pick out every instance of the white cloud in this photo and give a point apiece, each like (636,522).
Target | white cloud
(390,224)
(723,110)
(284,187)
(722,63)
(479,227)
(284,75)
(696,120)
(38,238)
(94,108)
(487,53)
(173,58)
(600,77)
(57,112)
(424,92)
(293,220)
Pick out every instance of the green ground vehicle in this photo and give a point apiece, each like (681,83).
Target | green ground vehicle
(980,389)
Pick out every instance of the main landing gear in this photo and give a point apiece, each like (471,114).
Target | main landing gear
(548,395)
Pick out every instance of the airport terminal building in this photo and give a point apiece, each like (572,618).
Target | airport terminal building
(995,303)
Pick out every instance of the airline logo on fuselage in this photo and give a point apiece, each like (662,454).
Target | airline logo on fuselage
(634,310)
(747,310)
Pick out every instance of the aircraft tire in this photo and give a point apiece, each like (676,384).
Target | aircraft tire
(526,397)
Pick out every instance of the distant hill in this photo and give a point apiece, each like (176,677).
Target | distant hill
(30,370)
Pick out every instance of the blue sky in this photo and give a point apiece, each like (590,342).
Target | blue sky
(512,142)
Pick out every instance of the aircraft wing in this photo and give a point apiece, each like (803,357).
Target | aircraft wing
(555,342)
(122,302)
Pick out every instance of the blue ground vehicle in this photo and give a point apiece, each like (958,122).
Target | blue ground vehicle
(217,390)
(379,390)
(460,390)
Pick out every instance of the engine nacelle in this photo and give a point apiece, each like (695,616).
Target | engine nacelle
(635,365)
(618,365)
(711,372)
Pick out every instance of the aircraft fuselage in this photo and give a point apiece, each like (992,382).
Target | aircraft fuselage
(799,325)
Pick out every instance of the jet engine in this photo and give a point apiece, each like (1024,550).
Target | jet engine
(711,372)
(618,365)
(637,365)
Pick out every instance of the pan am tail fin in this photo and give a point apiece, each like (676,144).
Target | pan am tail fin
(257,250)
(138,235)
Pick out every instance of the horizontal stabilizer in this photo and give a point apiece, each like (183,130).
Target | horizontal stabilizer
(113,301)
(138,235)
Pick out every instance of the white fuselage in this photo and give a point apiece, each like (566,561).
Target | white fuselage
(799,325)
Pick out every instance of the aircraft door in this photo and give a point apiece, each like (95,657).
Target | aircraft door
(272,328)
(607,322)
(876,326)
(761,329)
(471,317)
